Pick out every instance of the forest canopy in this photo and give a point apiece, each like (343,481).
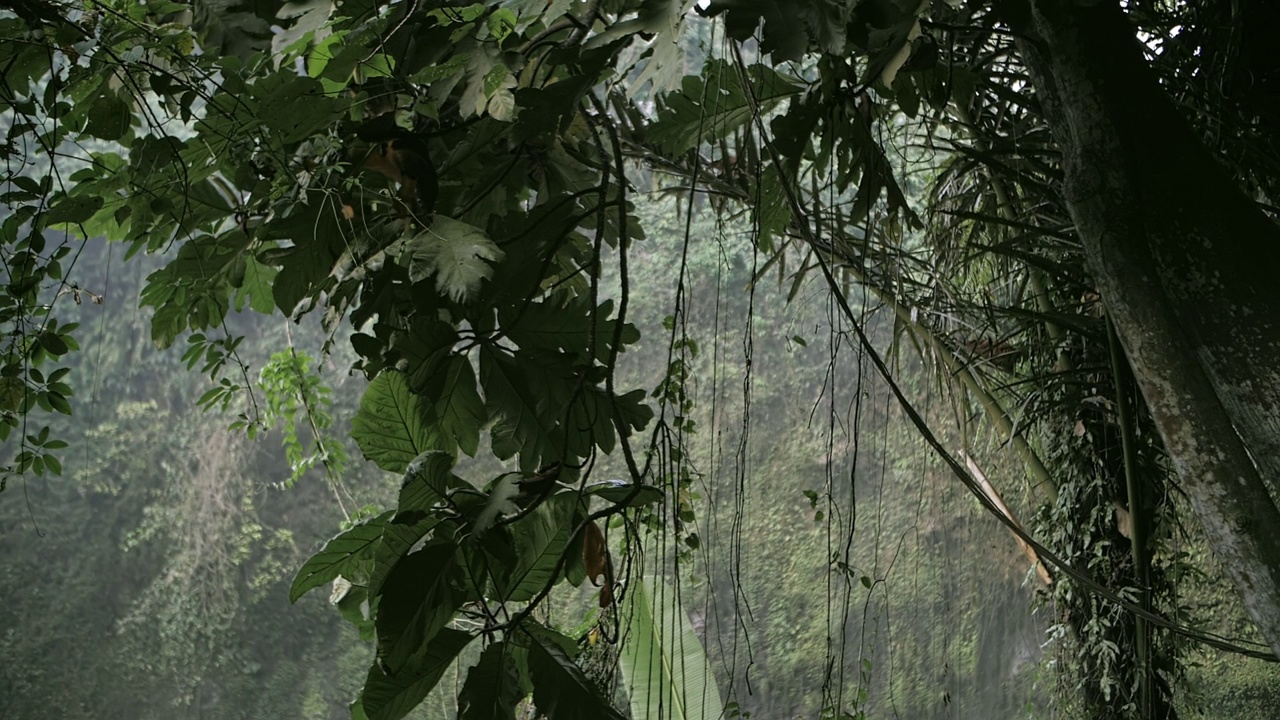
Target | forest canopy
(1063,210)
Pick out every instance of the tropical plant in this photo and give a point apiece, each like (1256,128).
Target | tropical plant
(662,660)
(453,180)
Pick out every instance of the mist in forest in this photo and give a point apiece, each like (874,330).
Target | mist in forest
(835,561)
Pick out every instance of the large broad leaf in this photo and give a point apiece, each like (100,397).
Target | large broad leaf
(790,28)
(512,401)
(491,559)
(315,240)
(460,409)
(254,286)
(711,107)
(340,556)
(591,418)
(391,427)
(590,422)
(389,697)
(784,35)
(419,596)
(309,19)
(565,327)
(543,109)
(549,325)
(492,688)
(109,117)
(540,538)
(72,210)
(398,537)
(458,255)
(666,671)
(666,61)
(426,349)
(352,602)
(294,107)
(560,689)
(427,481)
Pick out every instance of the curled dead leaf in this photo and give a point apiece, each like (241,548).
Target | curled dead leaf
(595,557)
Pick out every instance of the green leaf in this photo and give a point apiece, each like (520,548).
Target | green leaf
(352,602)
(296,107)
(109,117)
(563,326)
(427,481)
(390,697)
(309,18)
(663,664)
(511,402)
(715,105)
(256,286)
(772,212)
(418,598)
(169,320)
(502,106)
(479,64)
(59,403)
(53,343)
(560,689)
(206,193)
(340,556)
(464,14)
(501,24)
(427,349)
(317,240)
(460,409)
(458,255)
(789,28)
(588,420)
(633,411)
(532,10)
(398,537)
(390,426)
(73,210)
(666,58)
(496,78)
(12,392)
(631,495)
(543,109)
(540,539)
(492,689)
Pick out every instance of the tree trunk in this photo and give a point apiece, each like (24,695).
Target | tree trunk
(1190,270)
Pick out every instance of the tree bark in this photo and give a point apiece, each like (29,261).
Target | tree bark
(1189,268)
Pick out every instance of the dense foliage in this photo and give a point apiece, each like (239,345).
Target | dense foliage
(454,184)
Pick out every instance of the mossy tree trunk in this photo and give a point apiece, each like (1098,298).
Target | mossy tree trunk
(1189,267)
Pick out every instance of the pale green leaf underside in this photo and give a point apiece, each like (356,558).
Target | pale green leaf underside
(663,664)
